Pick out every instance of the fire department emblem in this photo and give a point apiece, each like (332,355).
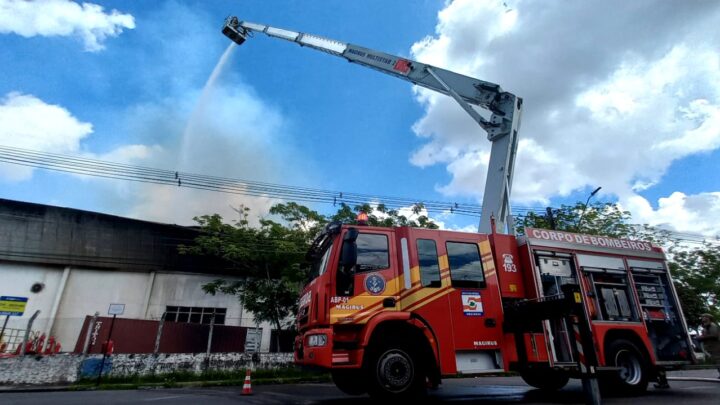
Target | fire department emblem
(509,264)
(472,303)
(374,284)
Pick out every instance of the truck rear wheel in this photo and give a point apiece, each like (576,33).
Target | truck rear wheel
(545,379)
(395,371)
(351,382)
(632,378)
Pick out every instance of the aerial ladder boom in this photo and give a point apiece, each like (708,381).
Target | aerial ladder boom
(501,127)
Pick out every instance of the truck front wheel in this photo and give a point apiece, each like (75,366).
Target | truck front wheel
(395,371)
(351,382)
(632,376)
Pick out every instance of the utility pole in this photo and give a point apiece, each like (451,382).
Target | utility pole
(158,335)
(550,217)
(209,342)
(2,332)
(27,332)
(577,225)
(107,347)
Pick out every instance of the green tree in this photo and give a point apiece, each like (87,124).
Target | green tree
(697,277)
(381,215)
(268,259)
(597,219)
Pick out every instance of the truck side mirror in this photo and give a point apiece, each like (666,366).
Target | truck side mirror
(348,259)
(348,256)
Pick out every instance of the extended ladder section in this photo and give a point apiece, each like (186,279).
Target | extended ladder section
(504,107)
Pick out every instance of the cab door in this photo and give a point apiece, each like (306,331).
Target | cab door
(475,304)
(373,279)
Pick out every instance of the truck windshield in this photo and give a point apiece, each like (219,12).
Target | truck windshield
(320,266)
(319,253)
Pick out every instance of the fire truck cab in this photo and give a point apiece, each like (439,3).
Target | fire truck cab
(390,311)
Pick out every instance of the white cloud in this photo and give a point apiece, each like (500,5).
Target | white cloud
(87,21)
(222,131)
(698,213)
(129,153)
(29,123)
(608,99)
(231,134)
(180,205)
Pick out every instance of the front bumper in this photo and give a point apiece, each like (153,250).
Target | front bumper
(324,356)
(319,356)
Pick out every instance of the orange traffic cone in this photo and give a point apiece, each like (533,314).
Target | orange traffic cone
(247,388)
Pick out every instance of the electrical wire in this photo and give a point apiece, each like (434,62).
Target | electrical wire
(96,168)
(111,170)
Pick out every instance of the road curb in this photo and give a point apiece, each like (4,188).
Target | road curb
(34,389)
(150,386)
(699,379)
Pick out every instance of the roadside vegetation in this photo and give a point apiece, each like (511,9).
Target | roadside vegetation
(281,375)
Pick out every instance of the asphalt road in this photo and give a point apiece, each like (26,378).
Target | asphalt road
(486,390)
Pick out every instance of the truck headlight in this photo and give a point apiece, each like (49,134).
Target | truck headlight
(317,340)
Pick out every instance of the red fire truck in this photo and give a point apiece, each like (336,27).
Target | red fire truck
(393,310)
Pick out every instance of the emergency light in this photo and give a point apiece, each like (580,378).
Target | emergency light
(362,218)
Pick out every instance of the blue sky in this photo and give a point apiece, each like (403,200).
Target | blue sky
(611,101)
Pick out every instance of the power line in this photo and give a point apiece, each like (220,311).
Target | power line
(96,168)
(119,171)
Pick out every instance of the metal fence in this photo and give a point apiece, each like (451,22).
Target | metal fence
(88,335)
(149,336)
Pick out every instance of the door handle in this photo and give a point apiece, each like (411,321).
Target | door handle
(490,322)
(389,302)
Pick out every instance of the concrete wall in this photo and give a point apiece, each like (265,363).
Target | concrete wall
(87,291)
(69,368)
(145,295)
(16,280)
(148,364)
(58,369)
(37,233)
(186,290)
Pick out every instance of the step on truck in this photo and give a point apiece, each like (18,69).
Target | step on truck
(392,311)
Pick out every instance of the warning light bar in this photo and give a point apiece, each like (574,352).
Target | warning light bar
(362,218)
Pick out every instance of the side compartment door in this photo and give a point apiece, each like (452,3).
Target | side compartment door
(475,304)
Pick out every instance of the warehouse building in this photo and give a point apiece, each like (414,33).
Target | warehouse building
(71,263)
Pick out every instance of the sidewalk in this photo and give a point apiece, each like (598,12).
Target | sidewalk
(707,373)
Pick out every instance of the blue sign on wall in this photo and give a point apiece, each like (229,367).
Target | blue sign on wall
(12,306)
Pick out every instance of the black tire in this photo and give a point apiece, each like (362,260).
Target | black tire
(633,377)
(545,379)
(351,382)
(395,370)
